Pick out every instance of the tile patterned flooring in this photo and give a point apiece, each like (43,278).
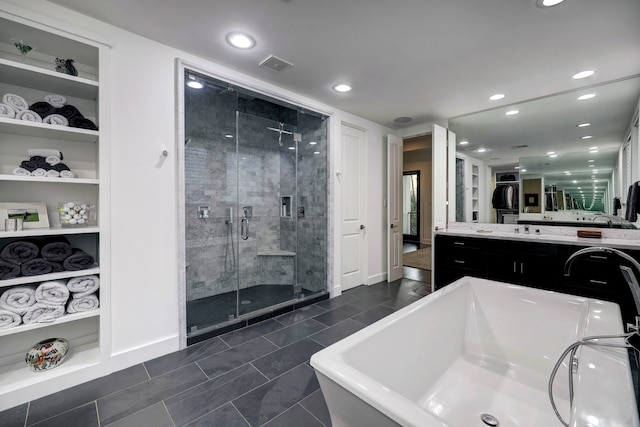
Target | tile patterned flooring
(256,376)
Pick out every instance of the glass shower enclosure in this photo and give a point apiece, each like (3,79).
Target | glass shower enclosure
(256,222)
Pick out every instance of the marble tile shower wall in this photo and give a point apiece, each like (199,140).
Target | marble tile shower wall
(257,176)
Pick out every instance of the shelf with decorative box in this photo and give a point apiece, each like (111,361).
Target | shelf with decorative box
(35,79)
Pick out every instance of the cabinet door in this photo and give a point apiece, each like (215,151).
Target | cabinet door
(456,257)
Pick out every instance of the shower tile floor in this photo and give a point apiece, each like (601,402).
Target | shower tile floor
(216,309)
(256,376)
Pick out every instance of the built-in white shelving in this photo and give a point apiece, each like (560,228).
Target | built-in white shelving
(86,155)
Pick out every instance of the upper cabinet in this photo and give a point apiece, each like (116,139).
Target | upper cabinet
(49,163)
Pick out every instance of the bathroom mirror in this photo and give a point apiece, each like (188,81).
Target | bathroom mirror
(559,138)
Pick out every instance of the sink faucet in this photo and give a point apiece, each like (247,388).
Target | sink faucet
(628,273)
(598,216)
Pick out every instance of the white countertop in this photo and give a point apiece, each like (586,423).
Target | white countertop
(624,239)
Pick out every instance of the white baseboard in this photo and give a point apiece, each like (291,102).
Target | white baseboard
(372,280)
(129,357)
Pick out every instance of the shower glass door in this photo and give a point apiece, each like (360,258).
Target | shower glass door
(266,210)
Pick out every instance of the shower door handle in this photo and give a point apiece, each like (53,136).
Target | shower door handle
(244,228)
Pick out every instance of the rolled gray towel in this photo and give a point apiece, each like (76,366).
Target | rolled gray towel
(19,252)
(79,260)
(56,249)
(36,267)
(8,270)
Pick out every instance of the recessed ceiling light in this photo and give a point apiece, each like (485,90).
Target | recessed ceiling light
(511,113)
(574,181)
(551,152)
(592,166)
(316,152)
(567,172)
(463,142)
(342,87)
(517,167)
(590,161)
(194,84)
(481,150)
(312,143)
(228,135)
(496,97)
(292,148)
(583,74)
(584,125)
(593,151)
(402,119)
(241,40)
(586,137)
(593,148)
(547,3)
(553,155)
(586,96)
(523,170)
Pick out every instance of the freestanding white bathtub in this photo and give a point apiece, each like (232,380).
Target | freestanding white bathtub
(479,347)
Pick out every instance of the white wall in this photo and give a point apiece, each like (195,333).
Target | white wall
(144,259)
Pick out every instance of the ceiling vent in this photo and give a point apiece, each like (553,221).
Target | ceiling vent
(274,63)
(517,147)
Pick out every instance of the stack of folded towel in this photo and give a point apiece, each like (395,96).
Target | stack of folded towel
(33,258)
(53,110)
(48,301)
(44,163)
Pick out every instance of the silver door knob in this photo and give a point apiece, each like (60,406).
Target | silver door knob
(362,227)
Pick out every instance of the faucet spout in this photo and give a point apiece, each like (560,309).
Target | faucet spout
(630,276)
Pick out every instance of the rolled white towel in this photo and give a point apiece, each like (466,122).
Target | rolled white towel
(56,100)
(21,172)
(52,173)
(39,172)
(16,102)
(56,119)
(44,152)
(18,299)
(9,319)
(84,303)
(83,285)
(54,292)
(52,160)
(29,116)
(42,313)
(67,174)
(7,111)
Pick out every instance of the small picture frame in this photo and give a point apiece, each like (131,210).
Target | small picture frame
(531,199)
(33,215)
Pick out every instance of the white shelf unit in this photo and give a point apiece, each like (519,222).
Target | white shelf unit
(86,154)
(475,193)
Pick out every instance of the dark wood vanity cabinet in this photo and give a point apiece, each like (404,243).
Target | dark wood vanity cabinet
(534,264)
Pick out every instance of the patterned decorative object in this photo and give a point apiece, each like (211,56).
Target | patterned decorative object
(47,354)
(66,66)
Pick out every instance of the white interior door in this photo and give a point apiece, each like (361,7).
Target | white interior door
(394,208)
(353,229)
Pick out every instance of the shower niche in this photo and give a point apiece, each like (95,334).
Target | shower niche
(251,160)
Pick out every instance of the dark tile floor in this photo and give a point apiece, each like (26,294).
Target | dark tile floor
(259,375)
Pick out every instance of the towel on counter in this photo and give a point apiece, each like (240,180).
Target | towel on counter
(82,123)
(29,116)
(78,260)
(57,101)
(55,249)
(8,270)
(40,161)
(83,285)
(83,303)
(7,111)
(54,292)
(52,160)
(21,172)
(19,251)
(61,167)
(42,313)
(18,299)
(15,101)
(67,174)
(36,267)
(39,172)
(56,119)
(9,319)
(28,165)
(69,112)
(52,173)
(43,109)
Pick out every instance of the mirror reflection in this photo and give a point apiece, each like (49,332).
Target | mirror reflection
(560,160)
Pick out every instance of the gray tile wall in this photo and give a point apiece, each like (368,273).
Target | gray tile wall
(257,176)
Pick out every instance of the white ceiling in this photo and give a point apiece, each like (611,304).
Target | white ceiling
(426,59)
